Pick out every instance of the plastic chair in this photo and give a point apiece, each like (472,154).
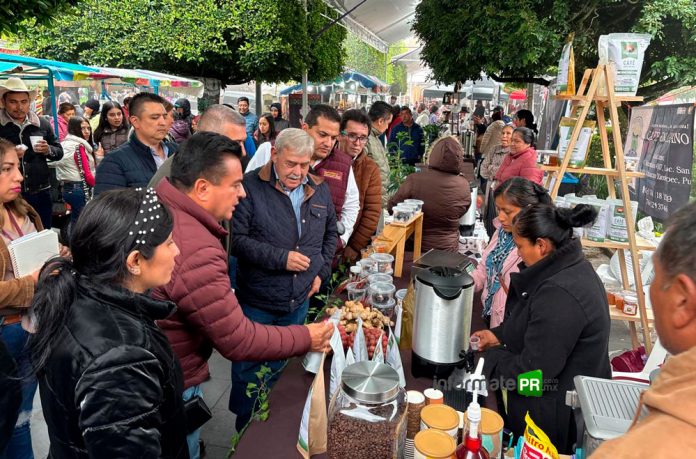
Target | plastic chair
(655,360)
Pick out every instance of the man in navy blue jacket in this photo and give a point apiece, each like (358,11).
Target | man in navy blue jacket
(284,237)
(134,163)
(413,153)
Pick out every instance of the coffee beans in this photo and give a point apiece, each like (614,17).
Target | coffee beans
(368,432)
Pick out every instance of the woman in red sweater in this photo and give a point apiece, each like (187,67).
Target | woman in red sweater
(522,159)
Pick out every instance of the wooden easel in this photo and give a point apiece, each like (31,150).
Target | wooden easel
(588,93)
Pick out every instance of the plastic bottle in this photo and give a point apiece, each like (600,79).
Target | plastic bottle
(472,448)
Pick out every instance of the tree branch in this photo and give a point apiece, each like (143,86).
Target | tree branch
(521,79)
(655,90)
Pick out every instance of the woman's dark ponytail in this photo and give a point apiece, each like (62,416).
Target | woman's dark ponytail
(50,305)
(576,217)
(544,221)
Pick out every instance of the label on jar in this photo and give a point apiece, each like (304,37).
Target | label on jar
(452,432)
(418,455)
(630,309)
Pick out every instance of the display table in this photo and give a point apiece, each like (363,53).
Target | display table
(277,436)
(395,236)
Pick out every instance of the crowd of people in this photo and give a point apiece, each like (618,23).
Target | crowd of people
(190,234)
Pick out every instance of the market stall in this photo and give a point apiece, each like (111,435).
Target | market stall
(155,81)
(351,89)
(52,74)
(45,72)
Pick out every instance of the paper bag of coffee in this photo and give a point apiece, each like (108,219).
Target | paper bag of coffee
(313,427)
(566,69)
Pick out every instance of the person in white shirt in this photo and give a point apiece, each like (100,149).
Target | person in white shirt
(323,123)
(423,116)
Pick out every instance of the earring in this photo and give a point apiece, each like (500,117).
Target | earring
(134,271)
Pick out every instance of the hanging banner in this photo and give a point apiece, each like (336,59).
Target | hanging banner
(295,102)
(660,138)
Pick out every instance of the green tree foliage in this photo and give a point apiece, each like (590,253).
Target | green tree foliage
(364,58)
(233,41)
(396,73)
(515,40)
(14,12)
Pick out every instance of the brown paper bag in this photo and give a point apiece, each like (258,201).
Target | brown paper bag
(409,308)
(314,425)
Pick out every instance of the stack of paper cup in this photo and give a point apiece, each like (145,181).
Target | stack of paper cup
(416,402)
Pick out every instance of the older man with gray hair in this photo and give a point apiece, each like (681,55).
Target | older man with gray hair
(284,237)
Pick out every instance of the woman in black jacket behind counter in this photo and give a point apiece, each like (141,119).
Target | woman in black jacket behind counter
(557,321)
(110,384)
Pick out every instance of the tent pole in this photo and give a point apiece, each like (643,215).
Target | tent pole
(305,99)
(52,91)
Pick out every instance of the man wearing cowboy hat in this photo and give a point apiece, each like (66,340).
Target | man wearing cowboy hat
(36,144)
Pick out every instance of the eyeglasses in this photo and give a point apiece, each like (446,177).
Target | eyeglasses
(354,138)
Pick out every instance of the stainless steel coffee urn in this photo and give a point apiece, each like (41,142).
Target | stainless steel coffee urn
(468,142)
(442,321)
(468,221)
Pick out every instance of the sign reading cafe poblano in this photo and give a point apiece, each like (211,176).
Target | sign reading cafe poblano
(661,140)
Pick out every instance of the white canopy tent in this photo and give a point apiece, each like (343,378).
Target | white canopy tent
(378,22)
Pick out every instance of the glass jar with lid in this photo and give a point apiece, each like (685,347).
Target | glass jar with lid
(380,293)
(433,444)
(379,277)
(369,266)
(415,202)
(630,304)
(401,214)
(367,415)
(384,262)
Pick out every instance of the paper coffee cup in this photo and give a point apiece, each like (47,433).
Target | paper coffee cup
(34,139)
(433,397)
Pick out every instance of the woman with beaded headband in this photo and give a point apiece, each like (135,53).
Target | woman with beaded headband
(110,385)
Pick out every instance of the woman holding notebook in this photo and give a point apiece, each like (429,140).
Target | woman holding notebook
(17,219)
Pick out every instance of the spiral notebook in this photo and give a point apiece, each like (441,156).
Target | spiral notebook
(29,253)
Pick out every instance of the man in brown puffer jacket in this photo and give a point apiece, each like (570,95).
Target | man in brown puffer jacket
(445,192)
(668,429)
(355,130)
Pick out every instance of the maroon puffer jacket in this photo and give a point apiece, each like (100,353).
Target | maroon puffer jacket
(208,315)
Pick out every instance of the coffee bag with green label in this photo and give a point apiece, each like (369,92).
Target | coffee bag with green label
(582,145)
(626,51)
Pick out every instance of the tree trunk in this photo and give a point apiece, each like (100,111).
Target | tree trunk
(211,93)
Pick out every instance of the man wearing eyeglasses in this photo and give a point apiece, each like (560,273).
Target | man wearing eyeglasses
(323,124)
(355,131)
